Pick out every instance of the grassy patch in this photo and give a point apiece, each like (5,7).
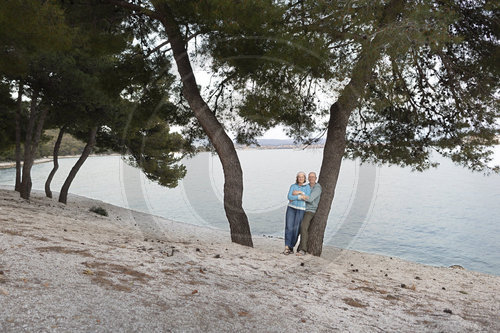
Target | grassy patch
(99,210)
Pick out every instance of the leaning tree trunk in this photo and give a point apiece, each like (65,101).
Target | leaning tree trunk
(18,135)
(31,144)
(63,196)
(55,156)
(340,112)
(233,175)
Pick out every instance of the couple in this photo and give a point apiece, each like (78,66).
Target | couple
(302,204)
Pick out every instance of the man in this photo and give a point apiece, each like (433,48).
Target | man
(311,205)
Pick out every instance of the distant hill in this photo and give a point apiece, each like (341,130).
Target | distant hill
(69,146)
(282,142)
(275,142)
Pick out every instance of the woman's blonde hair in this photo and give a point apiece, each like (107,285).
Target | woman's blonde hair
(297,177)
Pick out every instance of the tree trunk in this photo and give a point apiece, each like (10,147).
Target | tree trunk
(55,156)
(31,144)
(63,196)
(233,175)
(328,175)
(18,135)
(340,112)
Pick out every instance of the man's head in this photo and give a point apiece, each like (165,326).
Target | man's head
(312,178)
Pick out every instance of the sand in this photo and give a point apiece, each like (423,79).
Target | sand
(66,269)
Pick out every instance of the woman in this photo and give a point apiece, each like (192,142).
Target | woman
(295,210)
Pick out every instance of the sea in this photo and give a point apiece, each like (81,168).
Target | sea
(444,216)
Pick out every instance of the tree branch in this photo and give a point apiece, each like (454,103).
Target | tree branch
(399,75)
(136,8)
(157,48)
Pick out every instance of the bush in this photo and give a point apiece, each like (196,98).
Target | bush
(99,210)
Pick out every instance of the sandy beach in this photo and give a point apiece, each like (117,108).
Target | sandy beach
(64,268)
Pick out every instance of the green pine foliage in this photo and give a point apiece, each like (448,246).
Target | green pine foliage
(434,86)
(30,27)
(153,148)
(7,114)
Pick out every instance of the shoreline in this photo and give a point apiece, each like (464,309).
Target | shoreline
(9,165)
(328,250)
(12,164)
(64,268)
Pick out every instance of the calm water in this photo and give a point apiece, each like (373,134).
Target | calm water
(441,217)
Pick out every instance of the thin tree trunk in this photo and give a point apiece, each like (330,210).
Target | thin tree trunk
(340,112)
(31,144)
(18,135)
(63,196)
(55,156)
(233,174)
(26,177)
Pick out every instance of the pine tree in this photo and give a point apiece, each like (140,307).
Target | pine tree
(410,78)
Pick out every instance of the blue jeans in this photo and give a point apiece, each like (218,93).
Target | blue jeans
(292,225)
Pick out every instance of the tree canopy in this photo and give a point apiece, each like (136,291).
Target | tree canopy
(432,85)
(79,68)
